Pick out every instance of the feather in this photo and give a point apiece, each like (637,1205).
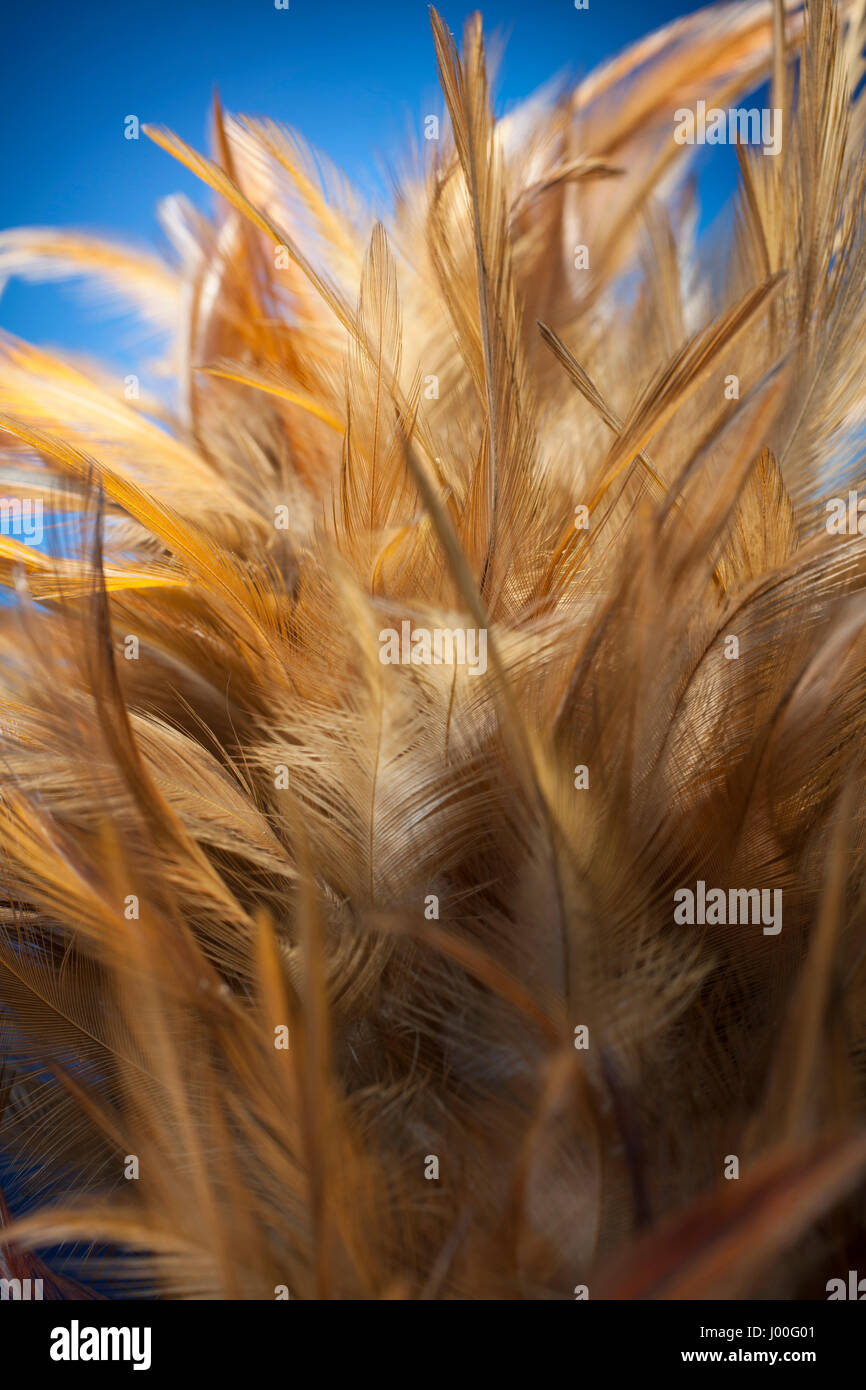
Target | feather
(369,963)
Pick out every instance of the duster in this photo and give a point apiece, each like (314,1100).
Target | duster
(328,977)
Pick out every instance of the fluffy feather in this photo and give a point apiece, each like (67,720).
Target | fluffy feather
(231,825)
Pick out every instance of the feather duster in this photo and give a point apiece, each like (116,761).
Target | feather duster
(432,820)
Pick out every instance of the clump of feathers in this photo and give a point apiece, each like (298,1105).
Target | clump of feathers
(282,923)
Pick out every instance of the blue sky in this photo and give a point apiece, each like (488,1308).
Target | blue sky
(352,77)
